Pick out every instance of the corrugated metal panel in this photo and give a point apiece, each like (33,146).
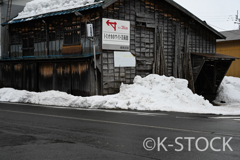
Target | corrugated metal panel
(231,35)
(55,14)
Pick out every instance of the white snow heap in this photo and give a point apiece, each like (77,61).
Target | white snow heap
(153,92)
(38,7)
(229,90)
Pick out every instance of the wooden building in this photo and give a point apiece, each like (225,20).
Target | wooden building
(52,51)
(16,7)
(231,46)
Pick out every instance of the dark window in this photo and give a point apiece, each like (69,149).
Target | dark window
(28,41)
(72,31)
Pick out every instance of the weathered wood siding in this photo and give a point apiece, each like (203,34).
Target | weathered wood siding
(145,16)
(72,76)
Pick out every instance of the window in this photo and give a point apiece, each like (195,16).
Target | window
(72,32)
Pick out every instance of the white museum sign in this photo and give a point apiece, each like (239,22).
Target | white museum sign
(115,34)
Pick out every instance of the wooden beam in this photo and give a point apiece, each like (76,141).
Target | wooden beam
(177,51)
(155,51)
(199,70)
(190,81)
(163,65)
(47,38)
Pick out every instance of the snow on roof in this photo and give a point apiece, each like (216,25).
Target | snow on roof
(39,7)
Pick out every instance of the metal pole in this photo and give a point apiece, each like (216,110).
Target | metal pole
(94,52)
(95,67)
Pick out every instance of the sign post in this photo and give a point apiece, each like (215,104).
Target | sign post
(90,36)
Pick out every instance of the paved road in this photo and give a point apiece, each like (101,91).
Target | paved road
(29,132)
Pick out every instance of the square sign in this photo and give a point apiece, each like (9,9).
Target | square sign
(115,34)
(124,59)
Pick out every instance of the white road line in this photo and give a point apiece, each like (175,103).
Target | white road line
(186,117)
(90,109)
(223,117)
(137,113)
(120,123)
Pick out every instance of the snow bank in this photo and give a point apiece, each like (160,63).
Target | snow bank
(155,93)
(150,93)
(45,98)
(229,90)
(38,7)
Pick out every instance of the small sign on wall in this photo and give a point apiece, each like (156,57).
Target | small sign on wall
(124,59)
(90,30)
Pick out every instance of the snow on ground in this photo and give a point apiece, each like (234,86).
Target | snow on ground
(38,7)
(153,92)
(229,91)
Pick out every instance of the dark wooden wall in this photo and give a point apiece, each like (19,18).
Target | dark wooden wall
(72,76)
(47,37)
(145,16)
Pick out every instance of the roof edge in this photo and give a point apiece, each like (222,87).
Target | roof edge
(108,3)
(215,56)
(220,40)
(54,13)
(184,10)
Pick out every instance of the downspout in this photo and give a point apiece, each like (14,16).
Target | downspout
(0,31)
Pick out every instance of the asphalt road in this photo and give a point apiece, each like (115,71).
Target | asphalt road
(29,132)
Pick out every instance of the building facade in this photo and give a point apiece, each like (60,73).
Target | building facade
(16,7)
(231,46)
(53,51)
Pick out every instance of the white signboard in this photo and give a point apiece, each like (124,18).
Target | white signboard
(115,34)
(124,59)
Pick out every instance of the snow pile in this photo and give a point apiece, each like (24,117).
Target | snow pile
(150,93)
(229,90)
(45,98)
(155,93)
(38,7)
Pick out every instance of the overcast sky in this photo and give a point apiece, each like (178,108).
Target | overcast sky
(219,14)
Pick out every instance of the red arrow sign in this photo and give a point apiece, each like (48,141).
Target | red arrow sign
(113,24)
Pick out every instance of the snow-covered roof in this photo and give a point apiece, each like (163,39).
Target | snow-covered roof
(39,12)
(40,7)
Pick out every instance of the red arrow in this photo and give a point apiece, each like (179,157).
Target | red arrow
(113,24)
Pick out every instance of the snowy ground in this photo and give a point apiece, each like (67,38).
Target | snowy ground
(39,7)
(150,93)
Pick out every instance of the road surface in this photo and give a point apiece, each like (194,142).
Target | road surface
(29,132)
